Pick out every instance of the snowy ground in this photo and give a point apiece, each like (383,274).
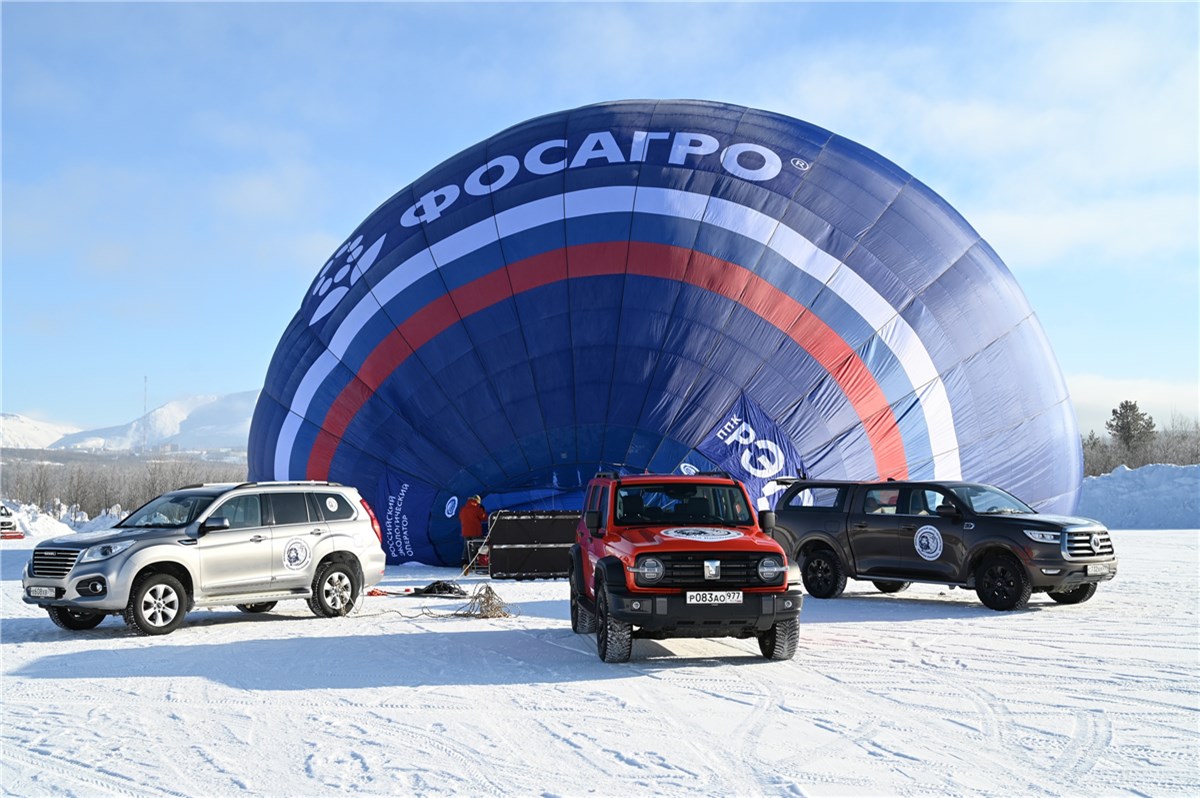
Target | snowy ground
(921,693)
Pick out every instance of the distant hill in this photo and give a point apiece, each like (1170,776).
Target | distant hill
(21,432)
(190,424)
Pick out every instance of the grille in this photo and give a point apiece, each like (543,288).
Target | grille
(687,570)
(54,563)
(1079,544)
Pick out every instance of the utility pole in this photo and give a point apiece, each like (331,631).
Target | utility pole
(145,394)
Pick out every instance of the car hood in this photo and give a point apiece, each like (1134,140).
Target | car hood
(1061,521)
(84,539)
(691,537)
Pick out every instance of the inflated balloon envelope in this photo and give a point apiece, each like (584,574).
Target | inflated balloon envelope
(662,286)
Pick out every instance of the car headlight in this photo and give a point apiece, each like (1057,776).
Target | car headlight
(649,570)
(770,569)
(105,550)
(1043,536)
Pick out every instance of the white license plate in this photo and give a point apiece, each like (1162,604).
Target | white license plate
(42,592)
(714,597)
(1096,570)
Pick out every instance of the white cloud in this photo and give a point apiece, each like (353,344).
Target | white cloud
(257,137)
(1096,396)
(1126,233)
(276,192)
(110,210)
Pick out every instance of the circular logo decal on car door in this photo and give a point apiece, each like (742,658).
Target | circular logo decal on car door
(928,542)
(296,554)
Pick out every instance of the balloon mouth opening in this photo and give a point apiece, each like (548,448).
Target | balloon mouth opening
(558,487)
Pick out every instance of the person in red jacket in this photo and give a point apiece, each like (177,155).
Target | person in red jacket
(471,518)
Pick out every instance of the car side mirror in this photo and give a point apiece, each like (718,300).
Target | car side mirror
(591,519)
(766,521)
(214,523)
(948,511)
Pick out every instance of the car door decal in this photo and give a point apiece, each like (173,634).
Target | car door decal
(928,542)
(296,554)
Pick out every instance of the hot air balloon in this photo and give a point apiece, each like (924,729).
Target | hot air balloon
(659,286)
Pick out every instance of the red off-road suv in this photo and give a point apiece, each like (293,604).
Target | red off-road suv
(660,556)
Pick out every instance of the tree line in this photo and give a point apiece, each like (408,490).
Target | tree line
(91,486)
(1134,440)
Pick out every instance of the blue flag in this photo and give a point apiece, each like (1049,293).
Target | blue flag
(751,447)
(402,506)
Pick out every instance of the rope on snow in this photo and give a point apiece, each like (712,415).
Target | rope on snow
(482,603)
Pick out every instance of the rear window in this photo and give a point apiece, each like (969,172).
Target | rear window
(289,508)
(816,498)
(334,507)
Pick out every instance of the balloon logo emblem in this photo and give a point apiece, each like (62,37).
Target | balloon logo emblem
(342,271)
(801,164)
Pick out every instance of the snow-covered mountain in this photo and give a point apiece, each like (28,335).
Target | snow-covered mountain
(22,432)
(196,422)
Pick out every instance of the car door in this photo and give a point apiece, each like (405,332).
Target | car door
(593,545)
(237,559)
(296,530)
(873,530)
(933,547)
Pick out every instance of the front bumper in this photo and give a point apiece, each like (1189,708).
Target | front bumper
(72,589)
(664,615)
(1057,575)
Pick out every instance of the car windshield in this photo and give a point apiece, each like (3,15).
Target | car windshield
(677,503)
(169,510)
(986,500)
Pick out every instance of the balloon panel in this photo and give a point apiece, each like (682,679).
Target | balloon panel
(619,286)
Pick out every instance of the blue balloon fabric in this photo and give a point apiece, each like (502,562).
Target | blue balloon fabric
(659,286)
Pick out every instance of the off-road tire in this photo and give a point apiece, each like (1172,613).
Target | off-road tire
(614,639)
(1077,595)
(1002,584)
(885,586)
(157,605)
(334,590)
(74,620)
(779,642)
(823,575)
(583,620)
(254,609)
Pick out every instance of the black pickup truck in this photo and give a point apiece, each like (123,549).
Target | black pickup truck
(960,534)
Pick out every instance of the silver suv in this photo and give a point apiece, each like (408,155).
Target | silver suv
(250,545)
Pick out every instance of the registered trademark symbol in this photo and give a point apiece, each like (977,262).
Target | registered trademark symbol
(801,164)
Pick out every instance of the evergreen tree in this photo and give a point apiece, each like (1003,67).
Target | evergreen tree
(1130,427)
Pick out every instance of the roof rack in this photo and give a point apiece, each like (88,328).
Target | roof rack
(309,482)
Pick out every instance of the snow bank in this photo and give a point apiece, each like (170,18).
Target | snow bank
(1151,497)
(34,523)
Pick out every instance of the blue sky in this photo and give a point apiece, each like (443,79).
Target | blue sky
(174,175)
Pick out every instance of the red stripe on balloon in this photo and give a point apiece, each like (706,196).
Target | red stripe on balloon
(667,262)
